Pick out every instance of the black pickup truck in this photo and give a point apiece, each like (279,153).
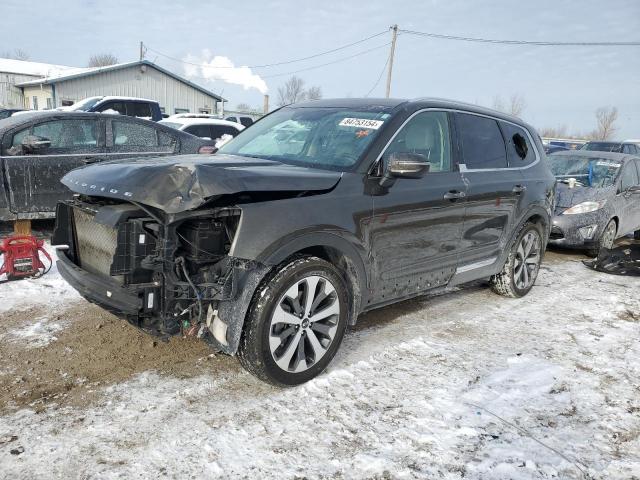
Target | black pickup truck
(38,149)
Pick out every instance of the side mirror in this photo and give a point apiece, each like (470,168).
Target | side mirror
(34,143)
(404,165)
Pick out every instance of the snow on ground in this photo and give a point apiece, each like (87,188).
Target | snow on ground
(49,291)
(460,385)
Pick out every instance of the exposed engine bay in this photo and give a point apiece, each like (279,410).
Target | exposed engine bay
(166,274)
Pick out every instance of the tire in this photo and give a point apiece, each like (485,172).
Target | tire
(512,281)
(281,341)
(607,237)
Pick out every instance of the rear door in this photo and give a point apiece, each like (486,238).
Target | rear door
(136,138)
(33,179)
(493,189)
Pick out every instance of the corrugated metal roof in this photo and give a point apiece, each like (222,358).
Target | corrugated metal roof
(85,72)
(36,69)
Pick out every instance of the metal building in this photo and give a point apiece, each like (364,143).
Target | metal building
(141,79)
(13,72)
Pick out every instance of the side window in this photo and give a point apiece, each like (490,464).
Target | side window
(628,177)
(111,107)
(482,143)
(218,131)
(427,134)
(69,134)
(133,134)
(198,130)
(519,149)
(246,121)
(166,140)
(19,136)
(139,109)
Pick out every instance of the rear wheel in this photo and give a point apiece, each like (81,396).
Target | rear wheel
(606,240)
(523,263)
(295,323)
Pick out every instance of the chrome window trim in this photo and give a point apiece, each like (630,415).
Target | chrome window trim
(462,167)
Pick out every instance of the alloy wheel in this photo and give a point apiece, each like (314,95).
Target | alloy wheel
(304,323)
(527,261)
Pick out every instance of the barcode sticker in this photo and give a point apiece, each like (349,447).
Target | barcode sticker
(361,123)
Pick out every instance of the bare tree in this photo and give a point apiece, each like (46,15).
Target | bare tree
(102,60)
(243,107)
(515,106)
(314,93)
(17,54)
(605,118)
(292,91)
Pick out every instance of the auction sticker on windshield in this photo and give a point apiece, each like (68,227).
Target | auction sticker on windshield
(361,123)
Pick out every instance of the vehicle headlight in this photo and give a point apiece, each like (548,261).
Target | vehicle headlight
(584,207)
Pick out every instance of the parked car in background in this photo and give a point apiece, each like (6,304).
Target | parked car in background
(598,198)
(318,212)
(630,146)
(7,112)
(569,143)
(38,149)
(549,149)
(132,107)
(244,120)
(204,126)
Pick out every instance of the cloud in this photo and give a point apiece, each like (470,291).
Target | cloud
(214,68)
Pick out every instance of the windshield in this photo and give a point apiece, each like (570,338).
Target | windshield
(602,147)
(85,105)
(588,171)
(327,138)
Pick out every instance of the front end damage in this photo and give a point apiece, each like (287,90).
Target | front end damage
(166,274)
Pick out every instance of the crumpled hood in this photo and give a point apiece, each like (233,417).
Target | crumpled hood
(184,182)
(568,197)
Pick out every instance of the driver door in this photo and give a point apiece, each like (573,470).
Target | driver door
(416,227)
(33,176)
(628,201)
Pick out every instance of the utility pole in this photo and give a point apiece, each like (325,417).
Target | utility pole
(394,31)
(141,51)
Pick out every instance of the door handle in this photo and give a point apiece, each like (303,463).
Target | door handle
(454,195)
(88,160)
(519,188)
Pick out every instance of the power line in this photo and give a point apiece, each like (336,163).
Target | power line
(328,63)
(520,42)
(384,67)
(272,64)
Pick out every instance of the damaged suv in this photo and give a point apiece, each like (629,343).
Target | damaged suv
(320,211)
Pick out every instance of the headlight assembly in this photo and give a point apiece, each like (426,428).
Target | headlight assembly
(584,207)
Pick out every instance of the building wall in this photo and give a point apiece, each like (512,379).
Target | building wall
(42,93)
(134,82)
(10,95)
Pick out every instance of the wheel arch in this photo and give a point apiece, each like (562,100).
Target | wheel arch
(335,249)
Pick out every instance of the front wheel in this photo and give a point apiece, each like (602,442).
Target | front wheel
(295,323)
(520,271)
(606,240)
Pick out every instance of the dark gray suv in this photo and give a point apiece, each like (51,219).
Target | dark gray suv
(317,213)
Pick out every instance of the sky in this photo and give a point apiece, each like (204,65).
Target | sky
(560,85)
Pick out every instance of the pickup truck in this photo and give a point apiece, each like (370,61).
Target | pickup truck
(38,149)
(132,107)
